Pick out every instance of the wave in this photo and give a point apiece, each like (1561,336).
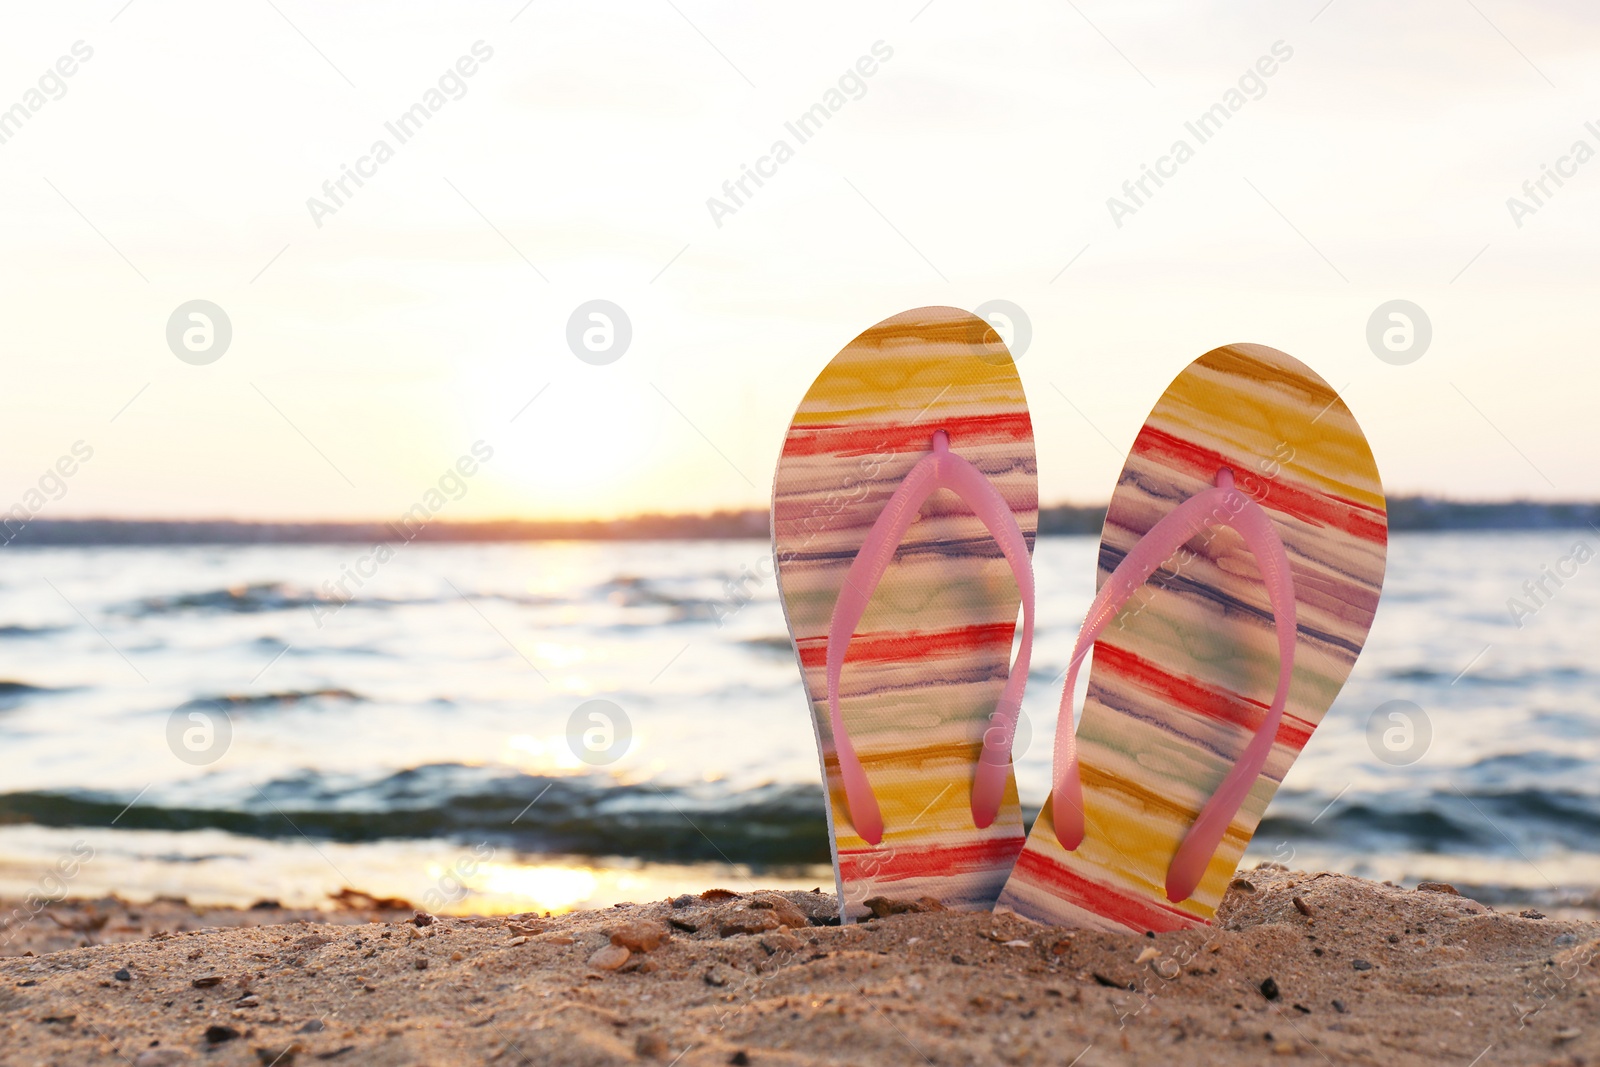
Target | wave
(250,598)
(247,701)
(1489,679)
(589,816)
(624,591)
(628,591)
(768,825)
(1513,823)
(19,632)
(14,693)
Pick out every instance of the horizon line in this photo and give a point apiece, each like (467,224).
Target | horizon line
(1401,499)
(1404,514)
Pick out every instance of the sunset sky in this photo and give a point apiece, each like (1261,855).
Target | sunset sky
(376,338)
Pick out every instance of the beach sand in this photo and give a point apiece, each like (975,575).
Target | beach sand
(1300,968)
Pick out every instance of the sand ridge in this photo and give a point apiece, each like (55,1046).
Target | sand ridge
(1300,968)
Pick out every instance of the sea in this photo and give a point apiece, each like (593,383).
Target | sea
(554,725)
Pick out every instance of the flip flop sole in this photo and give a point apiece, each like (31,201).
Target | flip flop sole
(1184,676)
(933,651)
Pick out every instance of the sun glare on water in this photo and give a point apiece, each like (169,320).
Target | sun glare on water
(541,755)
(504,887)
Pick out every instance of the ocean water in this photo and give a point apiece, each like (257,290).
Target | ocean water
(202,722)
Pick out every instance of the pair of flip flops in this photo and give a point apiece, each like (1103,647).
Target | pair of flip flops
(1239,571)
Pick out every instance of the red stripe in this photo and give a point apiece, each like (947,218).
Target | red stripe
(1220,705)
(860,439)
(912,644)
(1319,509)
(1135,913)
(891,864)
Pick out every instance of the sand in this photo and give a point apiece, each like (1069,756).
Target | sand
(1300,968)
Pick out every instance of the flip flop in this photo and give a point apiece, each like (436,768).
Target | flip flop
(1240,568)
(904,510)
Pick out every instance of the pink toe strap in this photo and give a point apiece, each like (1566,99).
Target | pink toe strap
(940,469)
(1222,505)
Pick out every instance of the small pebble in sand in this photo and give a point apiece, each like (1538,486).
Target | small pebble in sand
(781,942)
(1530,913)
(207,981)
(422,918)
(1360,965)
(639,964)
(883,907)
(683,901)
(1242,885)
(121,974)
(1561,1037)
(1304,908)
(752,922)
(609,957)
(520,940)
(740,1059)
(780,905)
(1269,989)
(720,974)
(640,935)
(216,1035)
(1438,887)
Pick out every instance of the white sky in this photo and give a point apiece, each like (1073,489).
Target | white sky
(407,326)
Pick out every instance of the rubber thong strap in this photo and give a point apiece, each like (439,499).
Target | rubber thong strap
(1226,506)
(940,469)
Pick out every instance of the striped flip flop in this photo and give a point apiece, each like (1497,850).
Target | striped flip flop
(1240,567)
(904,510)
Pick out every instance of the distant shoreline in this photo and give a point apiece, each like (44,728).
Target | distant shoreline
(1406,514)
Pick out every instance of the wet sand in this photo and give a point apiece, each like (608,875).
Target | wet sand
(1300,968)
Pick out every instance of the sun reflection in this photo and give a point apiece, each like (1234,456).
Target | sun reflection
(509,887)
(556,654)
(541,755)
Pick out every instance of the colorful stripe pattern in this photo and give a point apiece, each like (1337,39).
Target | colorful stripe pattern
(1181,680)
(931,655)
